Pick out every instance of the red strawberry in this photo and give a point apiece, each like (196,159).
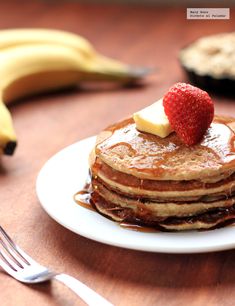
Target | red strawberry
(190,111)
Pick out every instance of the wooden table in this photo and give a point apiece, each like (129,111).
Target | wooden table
(140,36)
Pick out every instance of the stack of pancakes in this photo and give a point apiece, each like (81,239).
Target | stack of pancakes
(143,179)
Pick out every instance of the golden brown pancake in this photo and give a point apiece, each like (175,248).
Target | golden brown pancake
(142,178)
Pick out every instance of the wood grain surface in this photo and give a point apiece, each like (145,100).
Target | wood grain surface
(145,36)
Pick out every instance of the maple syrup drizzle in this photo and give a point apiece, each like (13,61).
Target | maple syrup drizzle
(83,199)
(218,140)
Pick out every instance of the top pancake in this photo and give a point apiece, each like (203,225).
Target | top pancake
(147,156)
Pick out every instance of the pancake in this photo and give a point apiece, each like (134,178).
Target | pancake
(141,178)
(162,190)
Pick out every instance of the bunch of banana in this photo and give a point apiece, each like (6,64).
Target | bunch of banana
(39,60)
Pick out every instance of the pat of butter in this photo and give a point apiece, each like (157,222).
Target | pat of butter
(153,120)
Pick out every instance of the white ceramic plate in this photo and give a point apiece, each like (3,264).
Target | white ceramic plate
(65,173)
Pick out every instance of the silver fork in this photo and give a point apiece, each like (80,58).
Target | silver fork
(23,268)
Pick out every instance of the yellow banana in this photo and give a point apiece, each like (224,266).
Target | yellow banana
(38,60)
(33,69)
(100,67)
(24,36)
(30,69)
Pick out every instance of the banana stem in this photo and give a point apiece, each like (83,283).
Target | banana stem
(103,68)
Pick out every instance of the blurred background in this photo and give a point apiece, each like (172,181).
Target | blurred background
(146,33)
(197,3)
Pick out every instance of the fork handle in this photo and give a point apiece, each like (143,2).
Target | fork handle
(89,296)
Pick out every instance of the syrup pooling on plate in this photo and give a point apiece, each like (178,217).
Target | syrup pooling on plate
(83,199)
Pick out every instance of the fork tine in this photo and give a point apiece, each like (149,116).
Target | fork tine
(8,262)
(9,251)
(15,248)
